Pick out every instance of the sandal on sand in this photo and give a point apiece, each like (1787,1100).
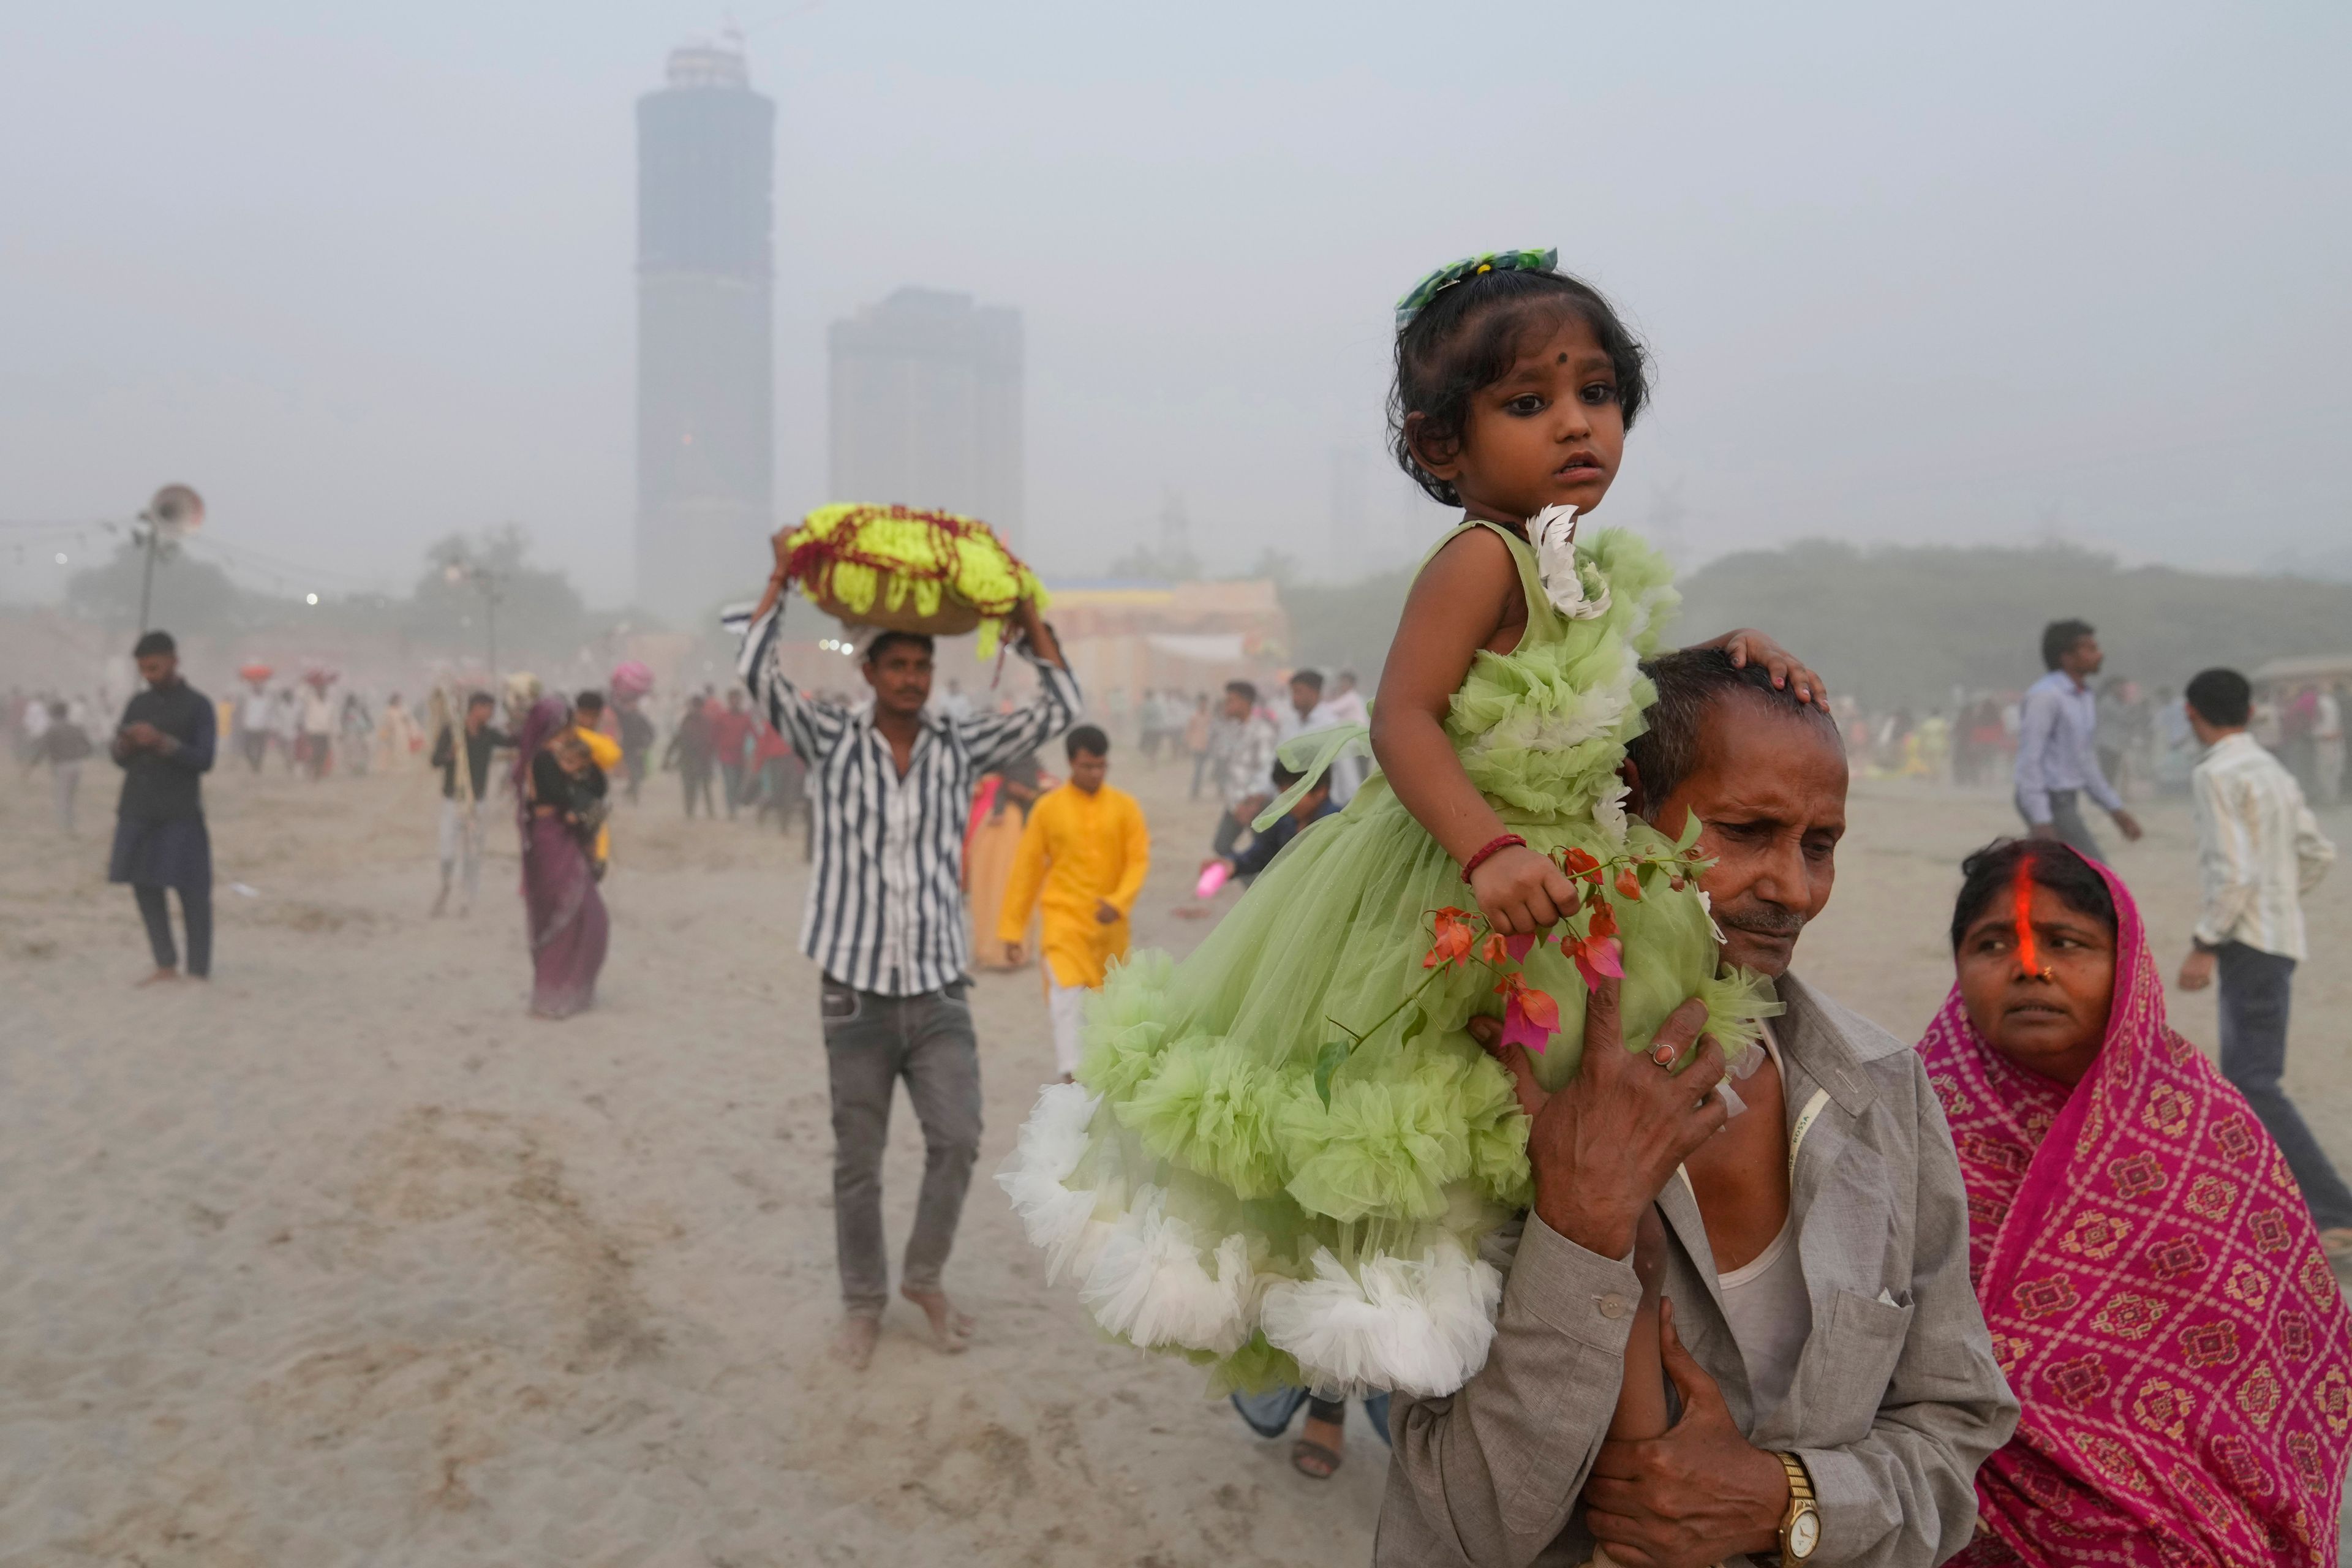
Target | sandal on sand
(1313,1460)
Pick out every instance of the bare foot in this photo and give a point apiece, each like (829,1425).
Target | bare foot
(950,1329)
(159,976)
(853,1346)
(1318,1449)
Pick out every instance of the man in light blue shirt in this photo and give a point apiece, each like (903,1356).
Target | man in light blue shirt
(2057,754)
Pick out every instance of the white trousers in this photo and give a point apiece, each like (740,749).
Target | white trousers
(1067,1005)
(461,843)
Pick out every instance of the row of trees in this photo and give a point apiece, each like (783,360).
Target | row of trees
(444,611)
(1904,626)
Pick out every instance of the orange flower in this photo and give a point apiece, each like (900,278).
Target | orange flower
(1604,920)
(1629,883)
(1580,864)
(1495,950)
(1453,944)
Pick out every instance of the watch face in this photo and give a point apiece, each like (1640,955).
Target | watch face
(1804,1534)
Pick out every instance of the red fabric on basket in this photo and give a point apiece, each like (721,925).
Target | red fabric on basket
(810,563)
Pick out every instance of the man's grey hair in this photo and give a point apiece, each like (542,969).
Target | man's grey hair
(1689,681)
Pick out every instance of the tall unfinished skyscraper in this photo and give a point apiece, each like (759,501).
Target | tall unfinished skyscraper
(926,406)
(706,359)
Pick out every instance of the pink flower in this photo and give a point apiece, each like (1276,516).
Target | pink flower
(1530,1018)
(1597,956)
(1518,947)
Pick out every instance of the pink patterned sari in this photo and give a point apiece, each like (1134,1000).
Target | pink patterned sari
(2156,1296)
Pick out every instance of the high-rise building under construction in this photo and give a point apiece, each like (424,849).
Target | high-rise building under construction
(926,402)
(706,359)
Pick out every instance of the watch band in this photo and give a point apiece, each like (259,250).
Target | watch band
(1802,1505)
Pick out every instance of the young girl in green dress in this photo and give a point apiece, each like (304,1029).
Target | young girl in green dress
(1280,1156)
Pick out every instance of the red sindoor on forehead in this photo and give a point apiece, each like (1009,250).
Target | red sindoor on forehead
(2021,890)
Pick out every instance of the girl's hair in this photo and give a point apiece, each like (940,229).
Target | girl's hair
(1469,337)
(1991,871)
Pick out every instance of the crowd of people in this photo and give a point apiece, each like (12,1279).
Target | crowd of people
(2145,741)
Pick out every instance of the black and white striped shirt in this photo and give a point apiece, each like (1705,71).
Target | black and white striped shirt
(886,909)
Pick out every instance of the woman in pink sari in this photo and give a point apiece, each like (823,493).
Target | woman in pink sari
(2155,1290)
(559,797)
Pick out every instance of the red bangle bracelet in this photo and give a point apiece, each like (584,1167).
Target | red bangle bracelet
(1508,841)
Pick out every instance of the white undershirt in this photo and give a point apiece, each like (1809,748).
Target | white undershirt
(1766,1304)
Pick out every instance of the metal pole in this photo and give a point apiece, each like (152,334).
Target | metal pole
(147,577)
(490,598)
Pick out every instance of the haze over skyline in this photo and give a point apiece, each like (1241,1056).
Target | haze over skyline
(1959,277)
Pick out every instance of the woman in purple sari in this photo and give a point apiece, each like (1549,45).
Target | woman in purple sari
(558,803)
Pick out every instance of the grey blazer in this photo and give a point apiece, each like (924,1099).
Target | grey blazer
(1896,1398)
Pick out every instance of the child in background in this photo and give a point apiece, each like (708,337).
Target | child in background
(1282,1154)
(588,724)
(1313,806)
(1086,850)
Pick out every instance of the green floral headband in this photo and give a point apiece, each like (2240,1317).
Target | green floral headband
(1417,300)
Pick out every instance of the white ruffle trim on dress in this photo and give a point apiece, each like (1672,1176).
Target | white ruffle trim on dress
(1149,1287)
(1059,1221)
(1418,1326)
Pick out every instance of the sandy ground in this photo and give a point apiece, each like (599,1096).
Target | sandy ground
(340,1258)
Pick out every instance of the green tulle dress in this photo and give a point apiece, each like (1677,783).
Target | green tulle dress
(1194,1182)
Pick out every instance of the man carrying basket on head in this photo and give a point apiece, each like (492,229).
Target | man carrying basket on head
(889,789)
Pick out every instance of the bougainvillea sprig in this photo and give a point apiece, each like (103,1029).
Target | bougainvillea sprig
(1586,936)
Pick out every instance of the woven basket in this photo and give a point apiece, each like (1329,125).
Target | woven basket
(952,619)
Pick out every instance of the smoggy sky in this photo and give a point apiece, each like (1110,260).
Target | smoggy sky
(363,274)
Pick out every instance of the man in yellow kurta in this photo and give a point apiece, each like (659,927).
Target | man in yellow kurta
(1087,849)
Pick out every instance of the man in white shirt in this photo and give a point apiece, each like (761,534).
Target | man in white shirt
(2258,852)
(318,727)
(1347,706)
(253,721)
(1307,712)
(1241,758)
(2057,751)
(2328,747)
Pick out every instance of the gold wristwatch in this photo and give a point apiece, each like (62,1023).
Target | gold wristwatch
(1801,1527)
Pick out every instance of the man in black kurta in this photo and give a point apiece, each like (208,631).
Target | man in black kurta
(164,744)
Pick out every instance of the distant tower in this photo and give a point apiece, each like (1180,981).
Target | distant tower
(706,362)
(926,404)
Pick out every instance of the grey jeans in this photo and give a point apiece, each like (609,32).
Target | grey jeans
(2255,992)
(871,1041)
(2066,816)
